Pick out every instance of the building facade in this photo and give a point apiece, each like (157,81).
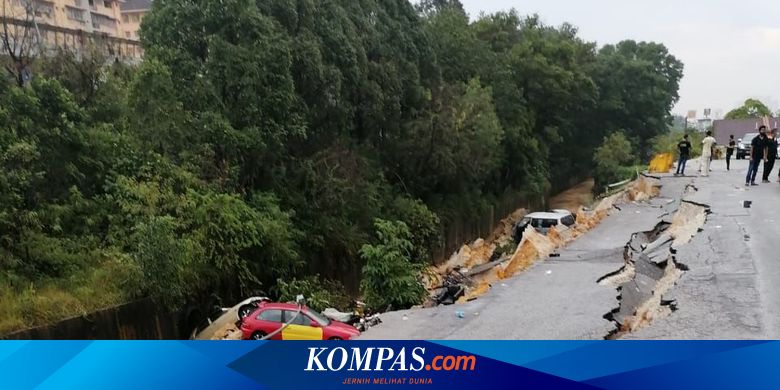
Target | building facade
(739,127)
(133,12)
(98,16)
(71,25)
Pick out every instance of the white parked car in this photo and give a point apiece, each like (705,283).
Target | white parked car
(543,221)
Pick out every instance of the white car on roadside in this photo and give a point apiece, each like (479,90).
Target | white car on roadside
(543,221)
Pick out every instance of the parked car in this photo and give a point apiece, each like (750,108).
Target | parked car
(249,305)
(542,222)
(743,145)
(308,325)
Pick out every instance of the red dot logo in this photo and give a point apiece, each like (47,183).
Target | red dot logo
(427,367)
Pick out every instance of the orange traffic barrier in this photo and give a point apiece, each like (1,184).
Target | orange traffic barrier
(661,163)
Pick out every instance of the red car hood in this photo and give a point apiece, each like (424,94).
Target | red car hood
(342,327)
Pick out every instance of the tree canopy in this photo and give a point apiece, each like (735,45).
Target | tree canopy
(266,146)
(752,108)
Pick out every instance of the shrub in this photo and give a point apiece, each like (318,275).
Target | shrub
(390,278)
(667,143)
(424,226)
(611,158)
(319,293)
(165,260)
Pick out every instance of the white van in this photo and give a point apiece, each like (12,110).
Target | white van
(542,222)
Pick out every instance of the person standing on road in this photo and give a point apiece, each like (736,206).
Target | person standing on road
(684,149)
(757,149)
(730,151)
(771,154)
(706,153)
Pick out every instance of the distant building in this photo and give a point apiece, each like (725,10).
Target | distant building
(703,125)
(71,25)
(98,16)
(133,12)
(738,127)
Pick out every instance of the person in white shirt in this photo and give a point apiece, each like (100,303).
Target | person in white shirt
(706,153)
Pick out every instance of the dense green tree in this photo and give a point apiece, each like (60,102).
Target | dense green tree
(456,147)
(752,108)
(638,84)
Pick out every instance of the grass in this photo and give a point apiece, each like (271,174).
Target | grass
(25,304)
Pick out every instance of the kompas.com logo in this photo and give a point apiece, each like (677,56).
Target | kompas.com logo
(384,359)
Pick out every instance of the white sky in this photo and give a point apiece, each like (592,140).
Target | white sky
(731,49)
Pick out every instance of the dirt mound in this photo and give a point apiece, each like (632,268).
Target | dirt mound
(533,246)
(643,189)
(502,234)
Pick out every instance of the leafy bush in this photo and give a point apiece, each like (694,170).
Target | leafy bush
(390,279)
(611,158)
(165,260)
(424,226)
(667,143)
(319,293)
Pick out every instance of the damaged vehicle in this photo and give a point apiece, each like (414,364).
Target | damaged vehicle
(542,222)
(452,288)
(249,305)
(290,321)
(357,318)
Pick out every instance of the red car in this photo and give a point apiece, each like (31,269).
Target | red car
(308,325)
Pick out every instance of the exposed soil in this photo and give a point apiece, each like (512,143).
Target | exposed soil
(575,197)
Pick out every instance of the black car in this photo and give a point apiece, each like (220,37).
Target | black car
(743,145)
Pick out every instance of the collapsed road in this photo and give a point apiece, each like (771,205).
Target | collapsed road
(691,263)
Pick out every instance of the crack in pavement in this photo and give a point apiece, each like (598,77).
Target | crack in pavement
(651,269)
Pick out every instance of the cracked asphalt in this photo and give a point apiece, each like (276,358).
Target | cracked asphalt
(730,291)
(732,287)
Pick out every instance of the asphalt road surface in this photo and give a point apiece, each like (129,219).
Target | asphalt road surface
(730,290)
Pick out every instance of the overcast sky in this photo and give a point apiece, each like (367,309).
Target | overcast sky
(731,49)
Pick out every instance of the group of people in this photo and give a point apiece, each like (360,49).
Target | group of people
(763,148)
(684,149)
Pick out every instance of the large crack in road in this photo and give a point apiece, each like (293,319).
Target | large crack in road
(651,269)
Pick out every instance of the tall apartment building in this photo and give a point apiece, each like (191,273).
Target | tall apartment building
(74,25)
(92,16)
(133,12)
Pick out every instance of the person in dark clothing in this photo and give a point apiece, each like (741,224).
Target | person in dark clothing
(771,154)
(757,154)
(730,151)
(684,149)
